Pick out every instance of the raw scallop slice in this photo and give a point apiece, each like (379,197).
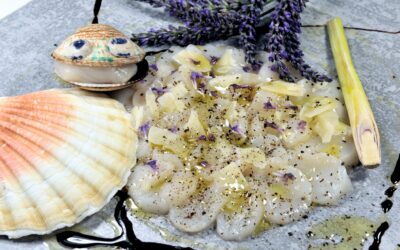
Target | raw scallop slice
(63,155)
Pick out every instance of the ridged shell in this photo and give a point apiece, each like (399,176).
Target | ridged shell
(100,47)
(63,155)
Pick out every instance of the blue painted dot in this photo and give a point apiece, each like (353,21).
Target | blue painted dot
(124,54)
(119,41)
(78,43)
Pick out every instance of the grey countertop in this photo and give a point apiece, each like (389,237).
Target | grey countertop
(29,35)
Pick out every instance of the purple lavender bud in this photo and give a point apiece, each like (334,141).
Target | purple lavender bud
(269,105)
(273,125)
(213,60)
(202,87)
(195,76)
(241,86)
(154,67)
(236,128)
(214,93)
(211,137)
(288,176)
(153,164)
(158,91)
(246,68)
(302,125)
(144,129)
(204,163)
(173,130)
(202,138)
(292,107)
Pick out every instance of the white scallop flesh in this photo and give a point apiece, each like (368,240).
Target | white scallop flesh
(145,183)
(327,175)
(140,183)
(167,184)
(287,201)
(240,224)
(348,153)
(87,74)
(200,212)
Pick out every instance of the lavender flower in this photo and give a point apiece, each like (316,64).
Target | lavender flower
(144,129)
(240,86)
(292,107)
(153,164)
(247,30)
(173,129)
(285,176)
(154,67)
(158,91)
(202,138)
(213,60)
(269,105)
(302,125)
(288,176)
(204,163)
(211,137)
(273,125)
(283,43)
(236,129)
(195,76)
(213,93)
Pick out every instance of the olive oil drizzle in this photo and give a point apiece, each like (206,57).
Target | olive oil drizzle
(386,206)
(127,239)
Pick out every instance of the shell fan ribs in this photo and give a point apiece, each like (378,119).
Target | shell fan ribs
(63,155)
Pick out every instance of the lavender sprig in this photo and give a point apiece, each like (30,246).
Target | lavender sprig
(181,36)
(209,20)
(283,43)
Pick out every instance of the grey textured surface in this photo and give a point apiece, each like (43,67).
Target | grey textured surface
(28,37)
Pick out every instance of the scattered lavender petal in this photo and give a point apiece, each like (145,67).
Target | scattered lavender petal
(144,129)
(288,176)
(204,163)
(213,60)
(173,129)
(154,67)
(302,125)
(196,76)
(202,87)
(246,69)
(202,138)
(269,105)
(158,91)
(214,93)
(211,137)
(272,125)
(292,107)
(235,128)
(240,86)
(153,164)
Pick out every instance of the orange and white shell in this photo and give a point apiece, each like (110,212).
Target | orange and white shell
(98,45)
(63,155)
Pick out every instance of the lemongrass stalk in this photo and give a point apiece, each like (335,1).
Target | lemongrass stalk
(363,125)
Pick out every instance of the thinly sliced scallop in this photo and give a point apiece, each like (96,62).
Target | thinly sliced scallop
(161,183)
(239,224)
(327,175)
(200,212)
(63,155)
(287,196)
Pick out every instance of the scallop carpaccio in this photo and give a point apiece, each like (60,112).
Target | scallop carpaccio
(222,146)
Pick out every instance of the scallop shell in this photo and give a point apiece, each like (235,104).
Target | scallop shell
(98,45)
(63,155)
